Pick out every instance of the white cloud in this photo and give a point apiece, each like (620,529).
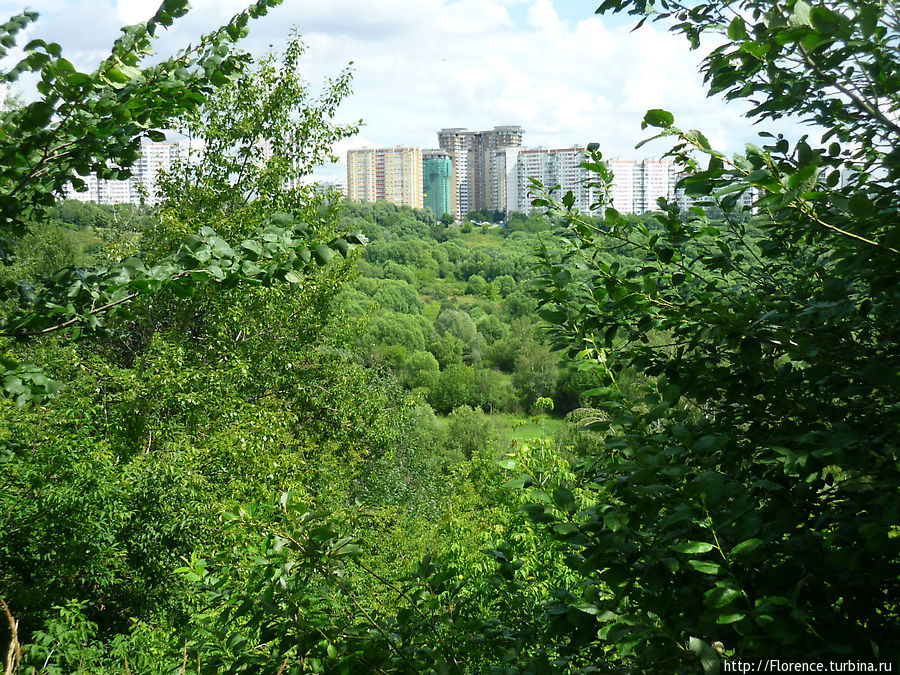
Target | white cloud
(543,17)
(135,11)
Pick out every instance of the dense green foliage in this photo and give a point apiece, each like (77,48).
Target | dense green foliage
(82,122)
(747,496)
(268,458)
(448,312)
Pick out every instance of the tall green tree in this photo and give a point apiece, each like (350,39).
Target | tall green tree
(224,379)
(744,502)
(94,122)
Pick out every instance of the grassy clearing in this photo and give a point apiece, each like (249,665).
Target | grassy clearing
(476,238)
(510,427)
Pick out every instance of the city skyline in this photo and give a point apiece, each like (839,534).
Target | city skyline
(493,171)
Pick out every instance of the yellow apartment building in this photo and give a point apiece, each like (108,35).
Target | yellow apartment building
(389,174)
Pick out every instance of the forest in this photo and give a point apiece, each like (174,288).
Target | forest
(259,429)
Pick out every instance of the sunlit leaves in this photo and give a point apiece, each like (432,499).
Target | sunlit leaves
(81,297)
(658,118)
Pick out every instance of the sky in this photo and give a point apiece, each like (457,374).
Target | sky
(564,74)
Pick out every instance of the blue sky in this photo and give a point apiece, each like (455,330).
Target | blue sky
(551,66)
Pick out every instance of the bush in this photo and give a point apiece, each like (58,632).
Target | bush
(469,431)
(455,387)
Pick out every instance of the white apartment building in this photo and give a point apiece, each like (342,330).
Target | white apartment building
(621,192)
(322,187)
(655,179)
(475,179)
(505,186)
(638,184)
(559,167)
(156,157)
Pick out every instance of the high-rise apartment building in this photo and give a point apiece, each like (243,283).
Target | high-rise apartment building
(505,187)
(323,187)
(389,174)
(457,143)
(437,175)
(638,184)
(361,185)
(655,179)
(558,167)
(156,158)
(474,165)
(621,192)
(483,176)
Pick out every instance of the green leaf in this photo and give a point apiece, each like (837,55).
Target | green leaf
(693,547)
(13,385)
(323,254)
(868,19)
(861,206)
(736,29)
(658,118)
(343,246)
(746,546)
(564,498)
(825,20)
(709,658)
(800,15)
(802,175)
(704,566)
(220,248)
(720,597)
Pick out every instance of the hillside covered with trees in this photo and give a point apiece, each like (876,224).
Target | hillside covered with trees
(258,429)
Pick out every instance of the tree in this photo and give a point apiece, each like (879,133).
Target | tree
(225,371)
(460,325)
(85,122)
(477,286)
(534,373)
(740,505)
(506,285)
(447,350)
(470,431)
(421,370)
(389,328)
(493,390)
(455,387)
(398,296)
(261,133)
